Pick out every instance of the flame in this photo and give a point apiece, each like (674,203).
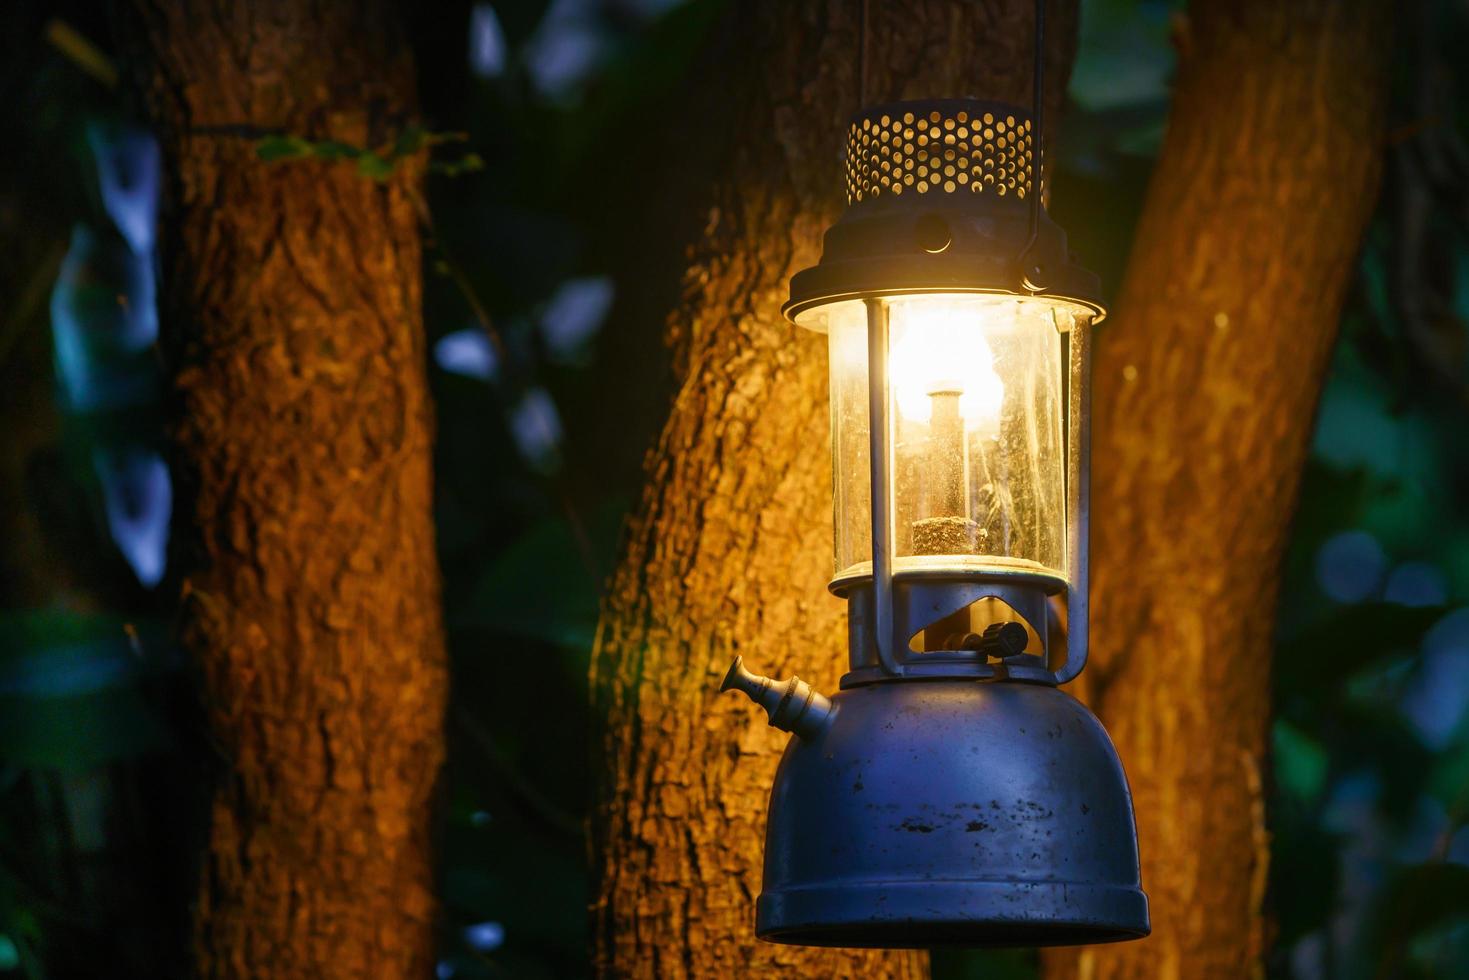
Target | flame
(939,345)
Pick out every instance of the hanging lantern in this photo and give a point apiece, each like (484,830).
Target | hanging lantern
(951,793)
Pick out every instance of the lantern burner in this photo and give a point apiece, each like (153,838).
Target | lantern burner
(950,535)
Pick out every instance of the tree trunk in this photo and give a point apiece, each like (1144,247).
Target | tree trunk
(731,548)
(1206,383)
(302,431)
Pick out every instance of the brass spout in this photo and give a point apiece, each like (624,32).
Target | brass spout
(793,707)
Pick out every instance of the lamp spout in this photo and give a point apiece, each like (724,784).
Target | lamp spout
(794,706)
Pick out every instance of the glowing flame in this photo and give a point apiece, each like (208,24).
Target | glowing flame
(941,347)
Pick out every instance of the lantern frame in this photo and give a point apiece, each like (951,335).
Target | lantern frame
(909,809)
(950,813)
(914,226)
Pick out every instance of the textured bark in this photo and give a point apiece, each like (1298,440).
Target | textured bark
(1206,384)
(731,548)
(302,431)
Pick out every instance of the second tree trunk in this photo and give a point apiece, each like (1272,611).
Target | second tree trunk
(302,434)
(731,550)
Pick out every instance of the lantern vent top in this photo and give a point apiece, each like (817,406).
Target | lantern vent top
(916,150)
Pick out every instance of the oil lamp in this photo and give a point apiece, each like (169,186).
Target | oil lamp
(950,793)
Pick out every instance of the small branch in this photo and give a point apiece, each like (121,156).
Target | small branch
(555,817)
(1429,165)
(482,316)
(81,52)
(32,296)
(456,273)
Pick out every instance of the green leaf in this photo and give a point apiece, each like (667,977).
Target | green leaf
(332,150)
(373,166)
(409,142)
(437,139)
(1315,662)
(9,953)
(1376,738)
(71,694)
(78,733)
(473,894)
(1301,763)
(468,163)
(23,631)
(1304,871)
(274,148)
(540,587)
(1449,783)
(1125,57)
(1418,899)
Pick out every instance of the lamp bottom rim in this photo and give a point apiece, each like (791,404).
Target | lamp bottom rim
(973,914)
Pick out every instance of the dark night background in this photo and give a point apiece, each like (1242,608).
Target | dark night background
(540,235)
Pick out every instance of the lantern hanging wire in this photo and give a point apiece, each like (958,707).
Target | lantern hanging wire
(1033,273)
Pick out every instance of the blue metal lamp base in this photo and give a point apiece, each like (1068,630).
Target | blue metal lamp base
(952,813)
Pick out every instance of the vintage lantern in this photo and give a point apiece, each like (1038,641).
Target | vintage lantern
(951,793)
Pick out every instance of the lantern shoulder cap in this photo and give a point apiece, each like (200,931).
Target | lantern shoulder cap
(939,201)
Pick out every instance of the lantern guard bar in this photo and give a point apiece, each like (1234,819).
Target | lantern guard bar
(943,199)
(1078,501)
(886,639)
(879,426)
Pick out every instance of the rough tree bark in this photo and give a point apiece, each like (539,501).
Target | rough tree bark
(731,548)
(302,431)
(1206,384)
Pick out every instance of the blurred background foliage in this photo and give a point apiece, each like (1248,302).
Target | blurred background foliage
(554,234)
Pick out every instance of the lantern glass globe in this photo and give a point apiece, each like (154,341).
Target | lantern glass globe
(977,386)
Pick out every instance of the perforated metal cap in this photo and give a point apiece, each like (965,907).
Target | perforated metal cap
(938,200)
(946,147)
